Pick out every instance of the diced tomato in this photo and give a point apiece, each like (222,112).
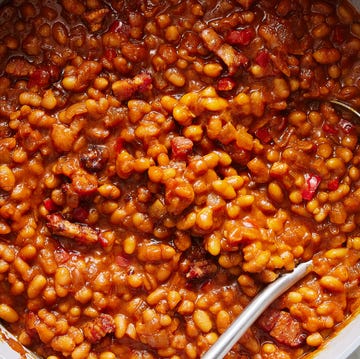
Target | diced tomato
(241,37)
(312,182)
(329,129)
(181,147)
(50,205)
(346,126)
(333,185)
(262,58)
(226,84)
(263,134)
(80,214)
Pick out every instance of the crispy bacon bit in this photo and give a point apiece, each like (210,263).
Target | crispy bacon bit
(232,58)
(262,58)
(312,182)
(241,37)
(226,84)
(97,329)
(80,232)
(283,327)
(181,147)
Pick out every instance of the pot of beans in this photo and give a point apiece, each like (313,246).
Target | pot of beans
(161,162)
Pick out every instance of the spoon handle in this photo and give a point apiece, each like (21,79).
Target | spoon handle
(249,315)
(346,106)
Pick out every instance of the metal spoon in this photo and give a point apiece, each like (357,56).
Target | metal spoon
(257,306)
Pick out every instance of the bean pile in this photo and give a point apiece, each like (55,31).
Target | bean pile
(162,161)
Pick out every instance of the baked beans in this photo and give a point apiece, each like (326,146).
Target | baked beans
(163,161)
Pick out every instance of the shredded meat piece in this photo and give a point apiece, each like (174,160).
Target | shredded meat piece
(80,232)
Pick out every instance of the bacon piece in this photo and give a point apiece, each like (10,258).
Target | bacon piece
(198,266)
(283,327)
(94,158)
(94,331)
(80,232)
(181,147)
(232,58)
